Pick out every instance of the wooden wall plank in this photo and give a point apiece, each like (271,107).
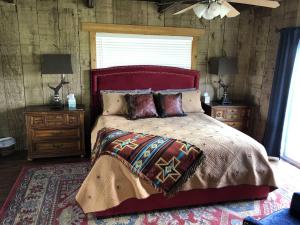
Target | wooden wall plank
(215,49)
(139,13)
(30,51)
(244,47)
(4,129)
(195,47)
(93,50)
(153,17)
(104,11)
(69,44)
(48,29)
(11,75)
(87,15)
(122,11)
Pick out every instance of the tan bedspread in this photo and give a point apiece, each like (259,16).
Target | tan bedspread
(232,158)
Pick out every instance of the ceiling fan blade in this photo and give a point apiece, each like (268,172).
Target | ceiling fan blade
(233,12)
(186,9)
(263,3)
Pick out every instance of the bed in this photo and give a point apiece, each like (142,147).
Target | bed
(236,166)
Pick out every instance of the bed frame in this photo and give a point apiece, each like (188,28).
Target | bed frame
(138,77)
(161,78)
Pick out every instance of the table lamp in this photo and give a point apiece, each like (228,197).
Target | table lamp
(57,64)
(223,66)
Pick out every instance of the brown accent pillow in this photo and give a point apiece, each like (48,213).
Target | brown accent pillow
(140,106)
(170,105)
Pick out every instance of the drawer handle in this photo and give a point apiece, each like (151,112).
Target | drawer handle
(57,145)
(59,133)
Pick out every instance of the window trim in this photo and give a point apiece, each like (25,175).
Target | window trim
(93,28)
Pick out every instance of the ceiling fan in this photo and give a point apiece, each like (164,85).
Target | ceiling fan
(209,9)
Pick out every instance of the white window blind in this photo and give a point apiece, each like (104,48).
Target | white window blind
(123,49)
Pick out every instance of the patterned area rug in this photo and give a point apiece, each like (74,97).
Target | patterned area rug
(46,195)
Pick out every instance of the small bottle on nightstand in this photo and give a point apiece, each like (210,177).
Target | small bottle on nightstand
(206,98)
(71,101)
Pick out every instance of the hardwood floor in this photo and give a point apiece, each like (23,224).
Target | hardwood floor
(11,166)
(286,174)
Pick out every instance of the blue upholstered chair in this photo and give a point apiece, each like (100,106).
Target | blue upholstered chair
(282,217)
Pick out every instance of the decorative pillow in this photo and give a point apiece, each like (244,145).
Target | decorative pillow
(140,106)
(170,105)
(191,101)
(114,102)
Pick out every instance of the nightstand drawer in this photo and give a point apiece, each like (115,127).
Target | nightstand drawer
(232,116)
(72,120)
(236,125)
(233,111)
(37,121)
(56,147)
(219,114)
(61,120)
(55,120)
(40,134)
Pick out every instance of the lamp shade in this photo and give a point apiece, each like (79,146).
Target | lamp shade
(56,64)
(223,66)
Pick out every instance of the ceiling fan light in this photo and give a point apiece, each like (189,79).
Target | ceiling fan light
(200,10)
(208,16)
(214,9)
(224,10)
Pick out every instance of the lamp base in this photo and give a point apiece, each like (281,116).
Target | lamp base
(56,102)
(225,99)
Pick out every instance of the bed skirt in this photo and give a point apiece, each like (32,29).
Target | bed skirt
(188,198)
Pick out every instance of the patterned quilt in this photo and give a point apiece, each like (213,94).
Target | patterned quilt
(164,162)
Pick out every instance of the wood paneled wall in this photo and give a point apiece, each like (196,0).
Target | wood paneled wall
(34,27)
(265,41)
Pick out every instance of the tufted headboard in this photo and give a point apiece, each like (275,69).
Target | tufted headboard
(138,77)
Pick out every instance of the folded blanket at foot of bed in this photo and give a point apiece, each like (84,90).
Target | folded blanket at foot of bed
(164,162)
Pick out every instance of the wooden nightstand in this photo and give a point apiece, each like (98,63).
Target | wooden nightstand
(236,115)
(54,132)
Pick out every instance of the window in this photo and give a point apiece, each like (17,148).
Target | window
(128,49)
(291,131)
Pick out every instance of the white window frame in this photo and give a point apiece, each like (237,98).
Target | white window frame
(93,28)
(137,49)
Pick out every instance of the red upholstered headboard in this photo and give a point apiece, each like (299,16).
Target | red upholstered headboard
(139,77)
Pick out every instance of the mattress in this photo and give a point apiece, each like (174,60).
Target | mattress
(232,159)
